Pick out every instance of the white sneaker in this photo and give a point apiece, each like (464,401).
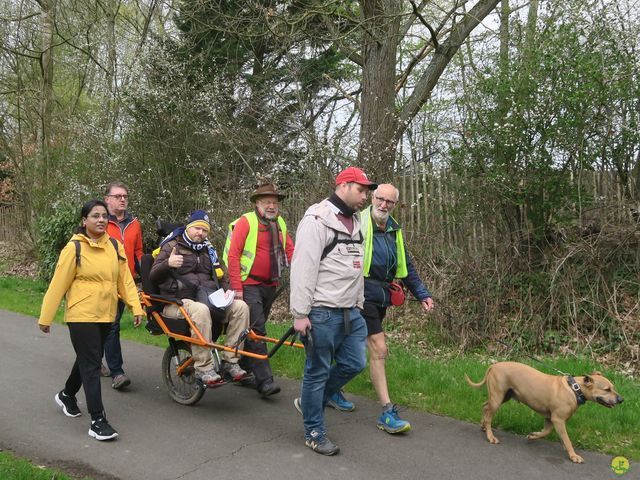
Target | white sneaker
(234,371)
(210,377)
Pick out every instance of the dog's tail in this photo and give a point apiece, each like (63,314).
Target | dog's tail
(475,385)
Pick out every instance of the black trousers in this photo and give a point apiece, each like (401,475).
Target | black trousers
(260,298)
(88,342)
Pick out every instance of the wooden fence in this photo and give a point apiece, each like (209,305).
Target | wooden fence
(445,211)
(437,210)
(11,224)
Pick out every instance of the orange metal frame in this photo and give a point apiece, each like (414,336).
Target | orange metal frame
(148,300)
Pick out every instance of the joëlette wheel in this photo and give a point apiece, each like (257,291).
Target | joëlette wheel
(184,389)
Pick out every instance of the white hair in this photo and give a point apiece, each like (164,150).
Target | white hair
(394,188)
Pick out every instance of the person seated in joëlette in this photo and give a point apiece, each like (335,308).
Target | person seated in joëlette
(186,261)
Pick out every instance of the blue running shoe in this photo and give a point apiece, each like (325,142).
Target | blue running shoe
(391,422)
(338,402)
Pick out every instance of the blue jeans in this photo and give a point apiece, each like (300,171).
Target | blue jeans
(336,357)
(112,348)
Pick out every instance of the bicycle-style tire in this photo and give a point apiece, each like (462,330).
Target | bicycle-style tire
(183,389)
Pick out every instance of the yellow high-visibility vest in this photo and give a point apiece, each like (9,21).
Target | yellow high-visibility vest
(251,243)
(367,232)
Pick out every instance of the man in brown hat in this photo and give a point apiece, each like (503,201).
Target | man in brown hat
(258,248)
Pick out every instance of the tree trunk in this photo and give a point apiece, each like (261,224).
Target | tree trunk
(382,123)
(43,140)
(505,10)
(379,123)
(111,113)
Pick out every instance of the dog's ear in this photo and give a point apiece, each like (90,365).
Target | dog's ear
(588,381)
(596,373)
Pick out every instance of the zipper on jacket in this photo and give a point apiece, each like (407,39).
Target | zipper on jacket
(389,256)
(122,230)
(127,226)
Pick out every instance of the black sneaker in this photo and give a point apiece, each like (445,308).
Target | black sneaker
(101,430)
(267,389)
(68,404)
(318,442)
(248,381)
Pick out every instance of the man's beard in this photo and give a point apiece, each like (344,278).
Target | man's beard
(198,238)
(378,217)
(267,215)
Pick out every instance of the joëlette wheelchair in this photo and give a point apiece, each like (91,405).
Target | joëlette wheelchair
(178,372)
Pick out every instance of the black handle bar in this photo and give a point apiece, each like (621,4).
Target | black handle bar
(289,333)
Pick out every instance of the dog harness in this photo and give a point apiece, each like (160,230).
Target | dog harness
(580,398)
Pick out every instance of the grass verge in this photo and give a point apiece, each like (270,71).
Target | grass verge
(15,468)
(434,385)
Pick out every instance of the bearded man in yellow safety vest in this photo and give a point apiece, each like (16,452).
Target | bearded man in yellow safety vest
(385,259)
(257,250)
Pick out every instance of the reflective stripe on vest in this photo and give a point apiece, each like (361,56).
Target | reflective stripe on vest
(251,243)
(367,232)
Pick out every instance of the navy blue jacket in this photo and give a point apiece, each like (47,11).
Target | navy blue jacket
(384,262)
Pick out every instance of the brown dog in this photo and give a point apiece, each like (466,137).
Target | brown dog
(549,395)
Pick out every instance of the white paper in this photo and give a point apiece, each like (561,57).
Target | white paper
(222,299)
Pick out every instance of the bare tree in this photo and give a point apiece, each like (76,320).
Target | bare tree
(384,118)
(48,14)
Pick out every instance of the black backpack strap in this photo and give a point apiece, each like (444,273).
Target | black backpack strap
(114,242)
(329,247)
(336,241)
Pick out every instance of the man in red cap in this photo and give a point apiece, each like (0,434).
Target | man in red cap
(327,293)
(257,250)
(385,259)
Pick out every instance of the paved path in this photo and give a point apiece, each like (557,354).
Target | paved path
(233,434)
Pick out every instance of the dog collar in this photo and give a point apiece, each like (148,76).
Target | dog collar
(580,398)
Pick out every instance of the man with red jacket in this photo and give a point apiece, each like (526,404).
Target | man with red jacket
(257,250)
(126,229)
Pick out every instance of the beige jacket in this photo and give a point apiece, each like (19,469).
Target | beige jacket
(335,281)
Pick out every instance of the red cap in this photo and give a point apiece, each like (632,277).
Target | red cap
(354,174)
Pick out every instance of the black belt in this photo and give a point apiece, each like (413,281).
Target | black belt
(347,320)
(346,315)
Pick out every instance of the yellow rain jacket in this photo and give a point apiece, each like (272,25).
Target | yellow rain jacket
(91,289)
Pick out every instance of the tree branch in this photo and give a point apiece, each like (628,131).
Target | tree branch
(434,37)
(16,52)
(86,52)
(441,58)
(19,19)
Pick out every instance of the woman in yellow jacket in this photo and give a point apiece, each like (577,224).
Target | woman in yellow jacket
(91,272)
